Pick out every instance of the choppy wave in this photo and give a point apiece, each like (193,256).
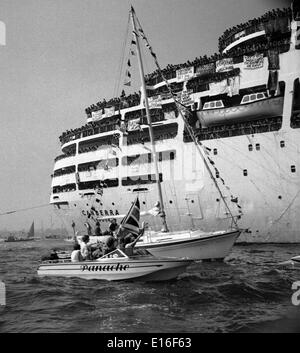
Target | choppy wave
(247,293)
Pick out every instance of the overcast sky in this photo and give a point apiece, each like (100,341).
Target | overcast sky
(63,55)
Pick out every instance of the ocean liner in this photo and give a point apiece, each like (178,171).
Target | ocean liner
(243,108)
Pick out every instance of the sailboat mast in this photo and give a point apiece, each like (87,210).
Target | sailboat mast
(155,160)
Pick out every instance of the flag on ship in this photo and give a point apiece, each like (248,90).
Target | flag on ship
(131,221)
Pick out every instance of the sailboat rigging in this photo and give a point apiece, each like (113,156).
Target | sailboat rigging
(197,244)
(155,159)
(180,107)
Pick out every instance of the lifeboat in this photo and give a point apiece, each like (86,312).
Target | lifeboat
(248,110)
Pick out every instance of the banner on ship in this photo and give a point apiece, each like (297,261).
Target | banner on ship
(155,102)
(109,111)
(170,115)
(239,35)
(253,62)
(223,65)
(185,98)
(185,74)
(205,69)
(134,124)
(97,115)
(216,88)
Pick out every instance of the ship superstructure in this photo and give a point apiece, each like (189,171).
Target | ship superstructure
(244,108)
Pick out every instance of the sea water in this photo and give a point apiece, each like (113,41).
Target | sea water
(246,293)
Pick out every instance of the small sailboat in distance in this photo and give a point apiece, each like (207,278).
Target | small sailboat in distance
(30,236)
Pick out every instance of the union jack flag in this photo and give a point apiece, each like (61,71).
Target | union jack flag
(131,221)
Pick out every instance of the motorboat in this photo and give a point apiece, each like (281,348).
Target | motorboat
(196,245)
(117,266)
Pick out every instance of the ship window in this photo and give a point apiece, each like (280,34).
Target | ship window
(171,201)
(253,97)
(245,172)
(219,104)
(245,99)
(94,184)
(250,147)
(295,117)
(212,104)
(141,179)
(260,96)
(293,168)
(215,151)
(257,146)
(282,144)
(147,158)
(217,174)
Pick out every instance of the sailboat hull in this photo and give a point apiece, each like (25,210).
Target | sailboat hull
(193,245)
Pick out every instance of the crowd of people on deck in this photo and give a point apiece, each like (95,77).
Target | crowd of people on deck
(118,103)
(169,72)
(89,129)
(252,25)
(68,153)
(63,171)
(64,188)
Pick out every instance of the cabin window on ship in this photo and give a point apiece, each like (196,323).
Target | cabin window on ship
(64,188)
(141,179)
(95,184)
(147,158)
(250,147)
(293,169)
(257,146)
(295,117)
(282,144)
(245,172)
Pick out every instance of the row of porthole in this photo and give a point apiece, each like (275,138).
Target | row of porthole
(245,171)
(293,170)
(144,203)
(250,147)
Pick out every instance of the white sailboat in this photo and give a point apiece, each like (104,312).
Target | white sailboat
(194,244)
